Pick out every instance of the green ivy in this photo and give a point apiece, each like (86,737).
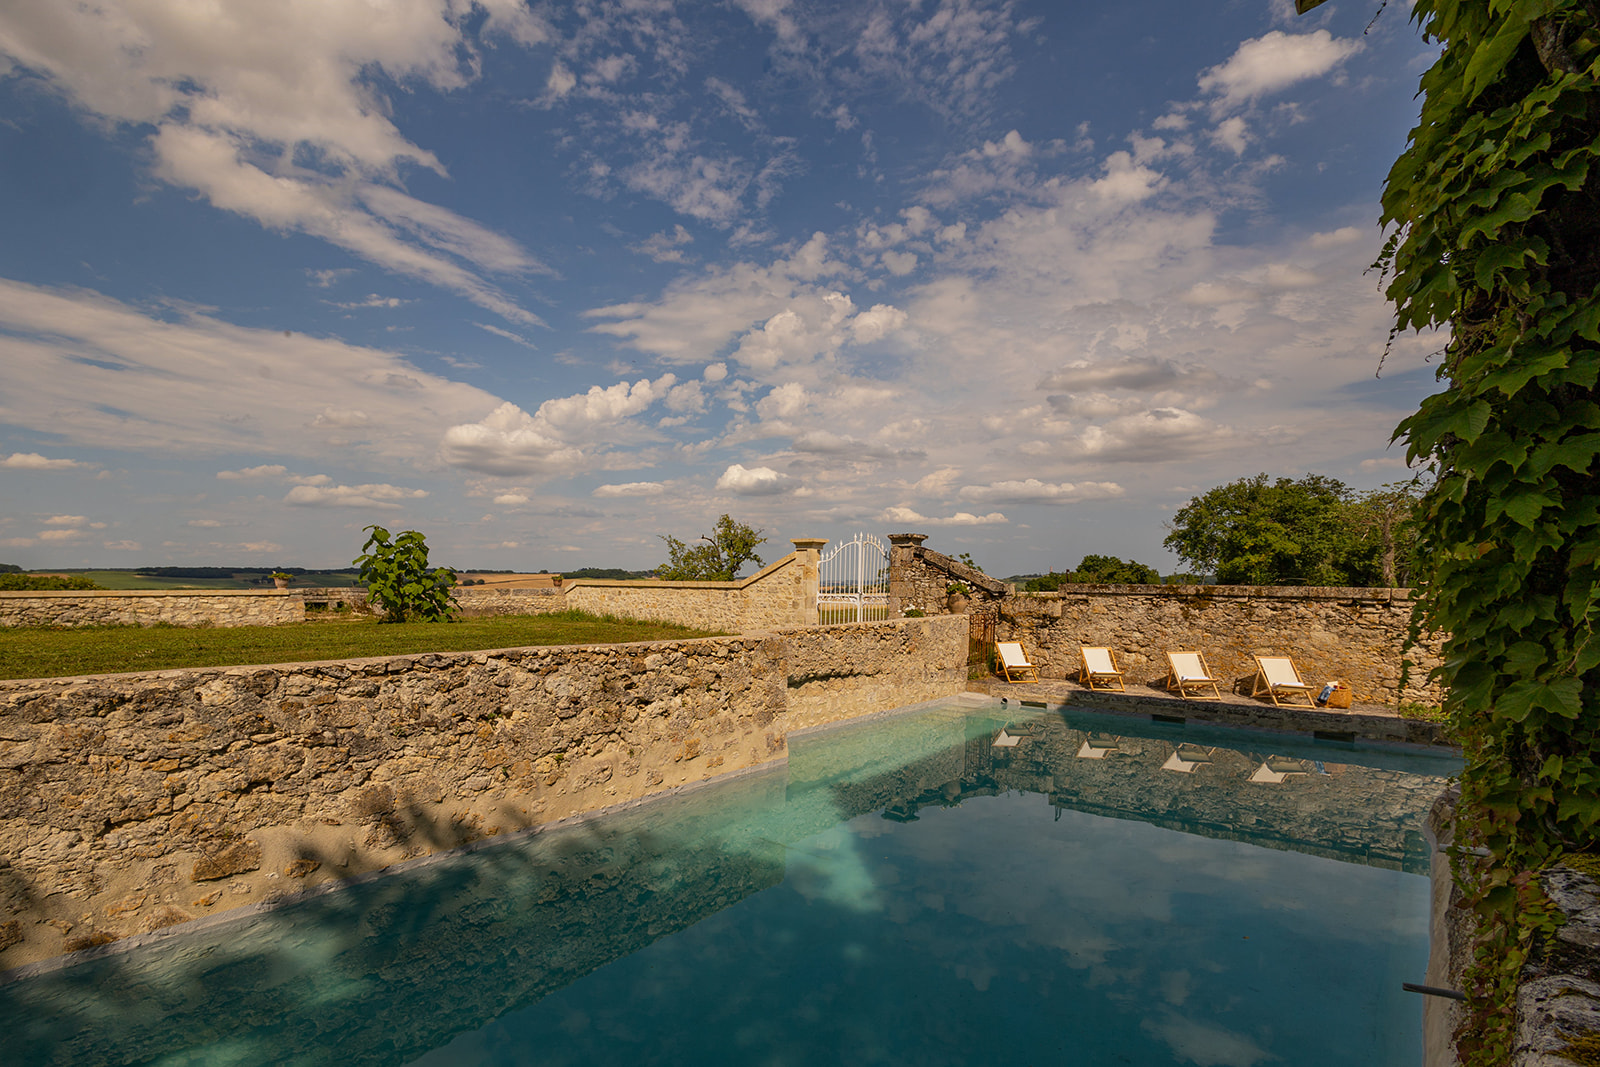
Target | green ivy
(1496,210)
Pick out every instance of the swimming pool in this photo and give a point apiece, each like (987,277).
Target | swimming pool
(952,885)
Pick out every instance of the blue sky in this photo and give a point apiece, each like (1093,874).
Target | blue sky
(547,280)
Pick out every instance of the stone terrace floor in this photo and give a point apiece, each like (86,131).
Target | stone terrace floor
(1376,722)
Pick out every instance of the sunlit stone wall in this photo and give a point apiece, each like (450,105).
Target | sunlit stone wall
(146,607)
(132,802)
(782,594)
(1353,635)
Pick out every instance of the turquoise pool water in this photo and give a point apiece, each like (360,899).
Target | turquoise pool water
(955,885)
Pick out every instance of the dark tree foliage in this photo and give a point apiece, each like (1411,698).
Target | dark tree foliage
(1314,530)
(727,548)
(1111,570)
(1495,207)
(10,568)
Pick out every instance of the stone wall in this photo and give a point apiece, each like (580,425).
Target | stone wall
(132,802)
(146,607)
(782,594)
(1353,635)
(920,578)
(480,601)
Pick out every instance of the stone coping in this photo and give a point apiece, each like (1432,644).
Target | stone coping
(1372,722)
(658,583)
(29,594)
(1232,592)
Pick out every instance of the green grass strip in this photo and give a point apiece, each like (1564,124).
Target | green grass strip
(40,652)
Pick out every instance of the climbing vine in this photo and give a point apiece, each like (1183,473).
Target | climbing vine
(1496,213)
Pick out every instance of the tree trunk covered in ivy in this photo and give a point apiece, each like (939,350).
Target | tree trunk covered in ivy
(1497,208)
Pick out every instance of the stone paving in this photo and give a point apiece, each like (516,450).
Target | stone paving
(1375,722)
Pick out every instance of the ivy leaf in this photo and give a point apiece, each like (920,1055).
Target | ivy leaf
(1585,810)
(1491,57)
(1515,207)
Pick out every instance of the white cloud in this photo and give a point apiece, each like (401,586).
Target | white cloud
(1033,491)
(754,481)
(511,500)
(234,88)
(666,247)
(266,470)
(563,436)
(33,461)
(205,524)
(351,496)
(905,516)
(1272,62)
(104,374)
(123,546)
(66,520)
(630,489)
(60,535)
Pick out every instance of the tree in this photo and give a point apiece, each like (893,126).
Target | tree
(1288,532)
(729,546)
(1495,209)
(399,580)
(1111,570)
(1388,514)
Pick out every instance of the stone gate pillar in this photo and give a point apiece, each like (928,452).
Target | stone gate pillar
(809,549)
(902,550)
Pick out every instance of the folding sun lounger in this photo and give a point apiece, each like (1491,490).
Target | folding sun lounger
(1275,675)
(1014,665)
(1188,670)
(1099,669)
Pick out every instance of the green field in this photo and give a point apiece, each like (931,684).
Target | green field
(108,579)
(41,652)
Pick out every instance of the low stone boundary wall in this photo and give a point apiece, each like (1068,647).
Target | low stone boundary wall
(1353,635)
(782,594)
(478,602)
(146,607)
(132,802)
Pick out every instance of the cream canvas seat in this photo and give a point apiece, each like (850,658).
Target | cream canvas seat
(1188,670)
(1014,665)
(1277,675)
(1099,669)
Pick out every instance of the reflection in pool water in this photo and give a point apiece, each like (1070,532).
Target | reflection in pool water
(949,886)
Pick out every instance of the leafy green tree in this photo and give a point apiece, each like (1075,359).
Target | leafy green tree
(399,580)
(1046,583)
(1495,209)
(1111,570)
(728,547)
(1256,531)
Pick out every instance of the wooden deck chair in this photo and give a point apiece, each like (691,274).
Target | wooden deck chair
(1276,674)
(1014,665)
(1099,669)
(1188,670)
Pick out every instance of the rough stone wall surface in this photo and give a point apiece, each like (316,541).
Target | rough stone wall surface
(1353,635)
(771,598)
(840,672)
(920,578)
(480,601)
(132,802)
(146,607)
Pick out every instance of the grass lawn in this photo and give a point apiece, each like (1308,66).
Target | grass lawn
(39,652)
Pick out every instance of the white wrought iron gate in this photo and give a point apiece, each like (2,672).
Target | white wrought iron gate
(853,581)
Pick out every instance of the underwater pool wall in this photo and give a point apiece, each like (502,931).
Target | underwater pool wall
(133,802)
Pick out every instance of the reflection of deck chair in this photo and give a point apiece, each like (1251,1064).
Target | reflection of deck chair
(1014,665)
(1189,670)
(1186,757)
(1097,746)
(1099,669)
(1274,769)
(1276,674)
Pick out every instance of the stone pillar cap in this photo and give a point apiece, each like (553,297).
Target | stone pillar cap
(907,539)
(804,543)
